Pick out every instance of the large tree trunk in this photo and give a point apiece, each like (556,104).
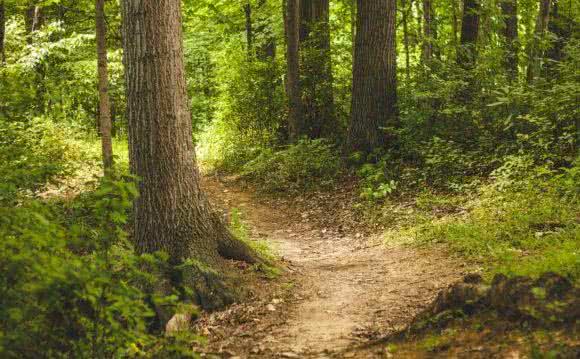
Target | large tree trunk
(103,75)
(295,107)
(535,53)
(2,33)
(316,76)
(172,213)
(374,94)
(509,10)
(467,55)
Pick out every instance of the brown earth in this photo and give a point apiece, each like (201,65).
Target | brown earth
(340,288)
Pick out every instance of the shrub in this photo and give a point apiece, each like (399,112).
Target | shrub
(77,289)
(32,154)
(528,227)
(308,164)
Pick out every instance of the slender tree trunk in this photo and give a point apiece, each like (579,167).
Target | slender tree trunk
(374,95)
(510,33)
(469,33)
(103,75)
(172,213)
(535,52)
(249,32)
(295,107)
(316,74)
(34,18)
(2,33)
(428,34)
(406,37)
(455,24)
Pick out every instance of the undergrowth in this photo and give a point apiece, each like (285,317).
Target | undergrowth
(526,226)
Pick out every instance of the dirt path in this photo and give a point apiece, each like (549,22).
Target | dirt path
(350,288)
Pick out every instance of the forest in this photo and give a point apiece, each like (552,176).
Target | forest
(289,179)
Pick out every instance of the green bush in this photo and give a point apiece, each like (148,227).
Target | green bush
(32,154)
(528,227)
(75,288)
(308,164)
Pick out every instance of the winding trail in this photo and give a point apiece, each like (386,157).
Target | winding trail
(350,288)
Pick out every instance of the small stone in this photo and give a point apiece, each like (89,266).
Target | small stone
(289,355)
(271,307)
(179,322)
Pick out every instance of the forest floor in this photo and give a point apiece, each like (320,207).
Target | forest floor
(341,286)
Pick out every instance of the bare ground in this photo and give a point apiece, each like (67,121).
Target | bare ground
(342,285)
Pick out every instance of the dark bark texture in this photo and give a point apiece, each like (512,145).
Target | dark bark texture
(103,77)
(295,107)
(405,17)
(429,31)
(316,69)
(2,33)
(509,9)
(172,213)
(467,55)
(374,94)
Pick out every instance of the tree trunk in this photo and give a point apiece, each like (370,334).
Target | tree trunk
(295,107)
(428,33)
(103,75)
(249,33)
(374,94)
(406,37)
(509,10)
(467,55)
(535,52)
(2,33)
(316,74)
(172,213)
(455,24)
(34,19)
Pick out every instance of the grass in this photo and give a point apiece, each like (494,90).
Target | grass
(524,230)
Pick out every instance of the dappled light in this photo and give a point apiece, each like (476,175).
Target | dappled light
(289,179)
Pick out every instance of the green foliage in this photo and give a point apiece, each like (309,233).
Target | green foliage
(33,153)
(308,164)
(528,228)
(71,283)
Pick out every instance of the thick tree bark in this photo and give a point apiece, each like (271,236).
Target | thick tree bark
(535,52)
(2,33)
(172,213)
(374,95)
(295,107)
(509,10)
(316,71)
(103,76)
(467,55)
